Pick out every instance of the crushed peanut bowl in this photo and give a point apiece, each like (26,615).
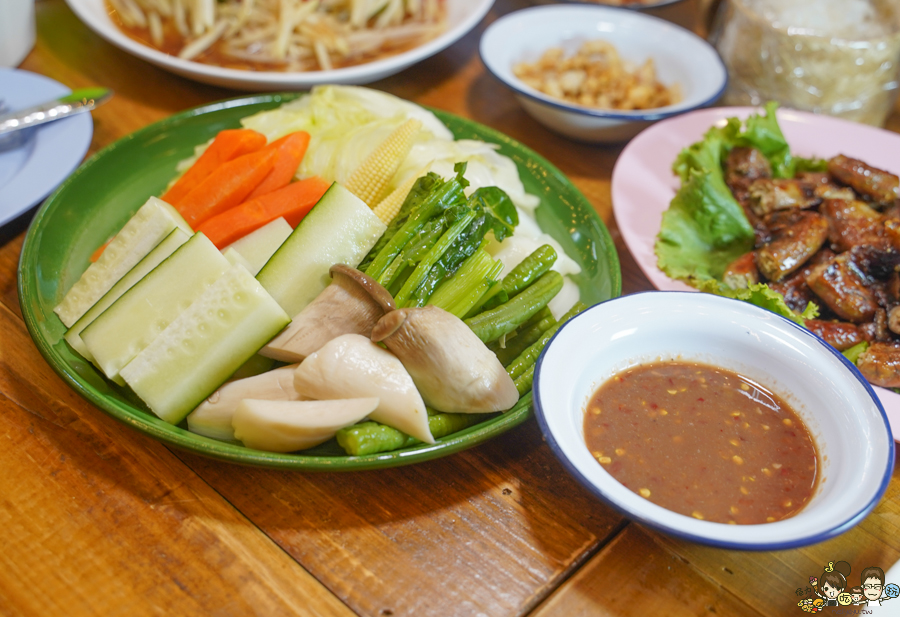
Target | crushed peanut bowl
(843,417)
(680,59)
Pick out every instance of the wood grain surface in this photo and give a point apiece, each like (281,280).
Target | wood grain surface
(97,519)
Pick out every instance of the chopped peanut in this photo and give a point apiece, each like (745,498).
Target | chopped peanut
(595,76)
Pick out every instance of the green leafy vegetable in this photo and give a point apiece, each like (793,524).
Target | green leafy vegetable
(764,134)
(856,351)
(705,228)
(420,190)
(472,280)
(494,211)
(499,210)
(442,196)
(762,296)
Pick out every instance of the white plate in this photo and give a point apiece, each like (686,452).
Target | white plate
(643,183)
(30,172)
(462,16)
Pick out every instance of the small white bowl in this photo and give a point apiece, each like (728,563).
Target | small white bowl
(679,56)
(649,5)
(842,413)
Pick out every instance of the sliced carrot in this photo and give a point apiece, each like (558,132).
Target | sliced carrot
(228,145)
(96,254)
(226,187)
(291,149)
(292,202)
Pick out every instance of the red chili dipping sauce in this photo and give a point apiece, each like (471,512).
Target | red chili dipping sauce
(702,441)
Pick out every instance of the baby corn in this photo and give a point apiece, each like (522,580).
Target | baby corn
(374,174)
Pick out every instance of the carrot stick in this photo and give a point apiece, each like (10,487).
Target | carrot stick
(96,254)
(291,149)
(228,145)
(292,202)
(226,187)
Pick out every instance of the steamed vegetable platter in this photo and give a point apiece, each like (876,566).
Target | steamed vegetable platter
(381,302)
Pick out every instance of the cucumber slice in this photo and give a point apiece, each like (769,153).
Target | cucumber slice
(236,259)
(258,246)
(204,345)
(340,229)
(148,227)
(165,248)
(141,313)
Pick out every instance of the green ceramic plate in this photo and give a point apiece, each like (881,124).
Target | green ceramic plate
(104,192)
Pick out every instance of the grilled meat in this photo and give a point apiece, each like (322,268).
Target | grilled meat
(796,236)
(881,187)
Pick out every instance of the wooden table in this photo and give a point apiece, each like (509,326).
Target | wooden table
(97,519)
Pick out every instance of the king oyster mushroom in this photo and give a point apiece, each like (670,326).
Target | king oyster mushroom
(286,426)
(213,416)
(352,366)
(353,303)
(453,370)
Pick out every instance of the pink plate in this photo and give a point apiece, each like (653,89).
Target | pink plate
(643,183)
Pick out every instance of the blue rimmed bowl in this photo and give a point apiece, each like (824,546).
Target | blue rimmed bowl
(679,57)
(842,413)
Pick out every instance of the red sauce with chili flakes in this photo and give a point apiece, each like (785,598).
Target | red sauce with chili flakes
(702,441)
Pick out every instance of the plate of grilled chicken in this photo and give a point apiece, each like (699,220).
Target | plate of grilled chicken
(830,234)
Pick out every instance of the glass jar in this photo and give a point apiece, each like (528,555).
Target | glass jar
(836,57)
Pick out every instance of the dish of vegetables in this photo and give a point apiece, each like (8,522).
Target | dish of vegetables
(697,231)
(94,204)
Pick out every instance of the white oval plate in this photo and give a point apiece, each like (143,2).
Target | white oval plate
(31,171)
(462,16)
(643,183)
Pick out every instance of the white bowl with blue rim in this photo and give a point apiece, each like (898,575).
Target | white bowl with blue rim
(638,5)
(679,57)
(840,409)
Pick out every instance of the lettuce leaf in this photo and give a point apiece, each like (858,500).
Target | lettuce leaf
(705,228)
(856,351)
(764,134)
(762,296)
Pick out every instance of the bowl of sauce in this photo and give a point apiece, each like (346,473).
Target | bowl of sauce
(713,420)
